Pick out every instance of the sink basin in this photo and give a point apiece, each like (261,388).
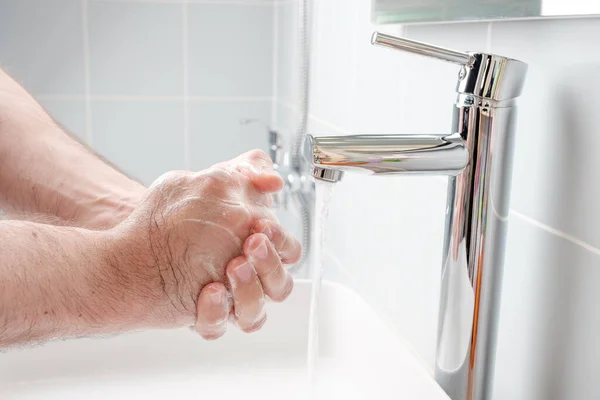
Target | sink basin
(359,358)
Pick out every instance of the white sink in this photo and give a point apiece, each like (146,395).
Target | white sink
(359,358)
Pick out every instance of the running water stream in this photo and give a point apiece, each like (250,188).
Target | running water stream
(324,191)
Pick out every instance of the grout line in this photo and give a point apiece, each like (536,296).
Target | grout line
(68,97)
(556,232)
(62,97)
(316,118)
(488,41)
(540,225)
(86,71)
(275,68)
(186,106)
(230,98)
(254,3)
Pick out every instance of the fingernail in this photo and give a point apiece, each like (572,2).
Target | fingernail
(215,333)
(243,272)
(261,251)
(217,297)
(260,322)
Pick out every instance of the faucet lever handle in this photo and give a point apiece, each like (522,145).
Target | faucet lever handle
(421,48)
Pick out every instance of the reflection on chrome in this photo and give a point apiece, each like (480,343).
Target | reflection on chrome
(477,157)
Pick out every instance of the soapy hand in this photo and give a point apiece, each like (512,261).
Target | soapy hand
(206,246)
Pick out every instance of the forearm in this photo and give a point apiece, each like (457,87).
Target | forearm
(44,171)
(58,282)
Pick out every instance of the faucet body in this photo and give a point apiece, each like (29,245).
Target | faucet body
(477,157)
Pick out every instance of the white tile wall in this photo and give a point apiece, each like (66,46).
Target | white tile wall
(549,322)
(135,48)
(557,184)
(131,77)
(386,233)
(218,130)
(41,44)
(69,113)
(231,52)
(287,52)
(151,85)
(145,139)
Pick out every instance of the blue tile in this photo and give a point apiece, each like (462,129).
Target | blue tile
(230,50)
(216,133)
(41,45)
(136,48)
(287,46)
(145,139)
(69,114)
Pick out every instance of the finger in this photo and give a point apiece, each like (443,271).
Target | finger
(212,311)
(270,182)
(248,296)
(276,281)
(258,167)
(288,247)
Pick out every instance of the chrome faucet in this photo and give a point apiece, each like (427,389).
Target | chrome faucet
(477,157)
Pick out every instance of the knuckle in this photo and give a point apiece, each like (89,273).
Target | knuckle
(238,217)
(220,174)
(171,178)
(242,213)
(260,155)
(216,181)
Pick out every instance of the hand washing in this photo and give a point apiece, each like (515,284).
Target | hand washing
(88,251)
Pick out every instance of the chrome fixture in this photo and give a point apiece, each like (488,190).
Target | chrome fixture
(295,182)
(477,156)
(299,190)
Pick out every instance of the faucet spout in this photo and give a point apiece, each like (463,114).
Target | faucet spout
(387,155)
(478,161)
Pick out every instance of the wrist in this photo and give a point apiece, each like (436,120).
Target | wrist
(137,276)
(115,300)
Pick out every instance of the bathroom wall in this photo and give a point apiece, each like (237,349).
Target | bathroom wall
(152,85)
(162,84)
(386,233)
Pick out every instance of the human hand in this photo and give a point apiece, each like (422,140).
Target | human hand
(197,236)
